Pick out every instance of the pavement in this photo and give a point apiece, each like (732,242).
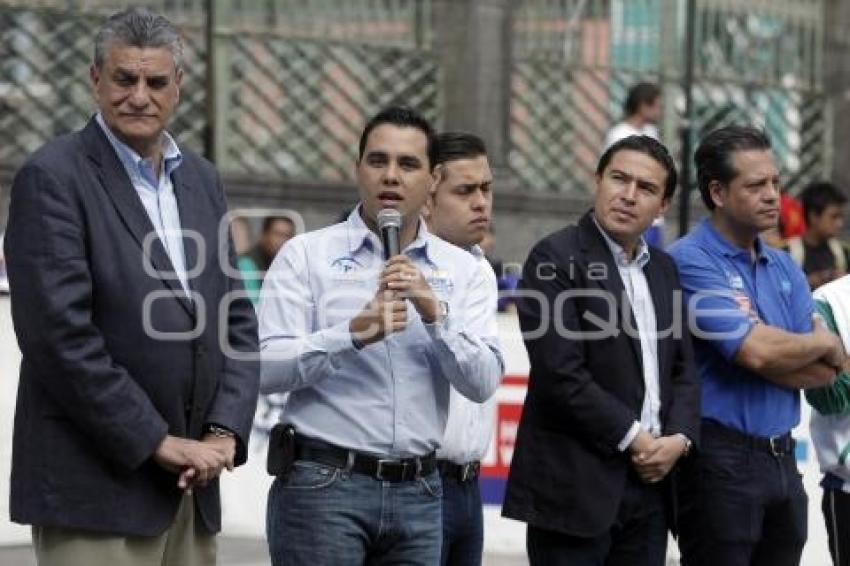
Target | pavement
(231,552)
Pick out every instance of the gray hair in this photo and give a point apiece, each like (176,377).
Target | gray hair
(138,27)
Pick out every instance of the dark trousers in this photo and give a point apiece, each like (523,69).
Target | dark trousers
(739,504)
(463,523)
(836,513)
(638,536)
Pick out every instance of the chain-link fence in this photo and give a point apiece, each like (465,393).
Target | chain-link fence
(755,62)
(280,89)
(294,80)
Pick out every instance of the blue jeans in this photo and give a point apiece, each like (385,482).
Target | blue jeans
(463,523)
(324,516)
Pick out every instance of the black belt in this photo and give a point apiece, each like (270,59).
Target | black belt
(778,446)
(461,472)
(382,469)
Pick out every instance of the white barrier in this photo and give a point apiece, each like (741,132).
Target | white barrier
(244,491)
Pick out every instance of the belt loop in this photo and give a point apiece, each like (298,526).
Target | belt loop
(418,468)
(349,461)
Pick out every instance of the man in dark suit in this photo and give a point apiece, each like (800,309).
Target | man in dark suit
(128,408)
(612,399)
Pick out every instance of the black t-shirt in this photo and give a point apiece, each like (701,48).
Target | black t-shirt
(820,258)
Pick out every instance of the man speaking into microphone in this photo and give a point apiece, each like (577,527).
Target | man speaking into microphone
(368,343)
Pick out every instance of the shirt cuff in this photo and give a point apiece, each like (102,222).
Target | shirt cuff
(629,438)
(438,329)
(336,340)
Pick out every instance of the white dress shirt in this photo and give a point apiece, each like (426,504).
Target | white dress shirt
(469,427)
(637,290)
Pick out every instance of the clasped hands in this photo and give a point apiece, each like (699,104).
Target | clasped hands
(197,462)
(386,312)
(653,458)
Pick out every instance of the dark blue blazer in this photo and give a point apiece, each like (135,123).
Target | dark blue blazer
(98,391)
(584,394)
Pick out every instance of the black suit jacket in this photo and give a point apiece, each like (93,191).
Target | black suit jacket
(583,395)
(97,391)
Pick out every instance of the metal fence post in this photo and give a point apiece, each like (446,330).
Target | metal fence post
(219,13)
(473,43)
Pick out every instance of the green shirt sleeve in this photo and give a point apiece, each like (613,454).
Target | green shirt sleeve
(252,284)
(833,399)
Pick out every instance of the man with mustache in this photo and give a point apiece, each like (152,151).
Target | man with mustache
(741,500)
(613,402)
(368,350)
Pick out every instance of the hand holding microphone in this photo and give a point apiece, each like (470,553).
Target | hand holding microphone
(401,279)
(400,275)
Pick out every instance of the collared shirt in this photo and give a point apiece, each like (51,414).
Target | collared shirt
(391,397)
(157,195)
(728,292)
(470,425)
(637,290)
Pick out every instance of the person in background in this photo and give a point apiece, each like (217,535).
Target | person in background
(819,252)
(240,231)
(276,231)
(741,499)
(458,210)
(642,111)
(792,221)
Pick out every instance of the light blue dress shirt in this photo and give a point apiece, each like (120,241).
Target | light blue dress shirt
(637,290)
(157,195)
(391,397)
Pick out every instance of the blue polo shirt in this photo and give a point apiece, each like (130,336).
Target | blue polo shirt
(727,294)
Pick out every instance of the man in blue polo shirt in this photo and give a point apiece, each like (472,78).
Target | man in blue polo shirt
(741,500)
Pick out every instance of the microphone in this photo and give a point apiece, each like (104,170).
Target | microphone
(389,224)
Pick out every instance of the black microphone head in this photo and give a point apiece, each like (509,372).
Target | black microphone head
(389,218)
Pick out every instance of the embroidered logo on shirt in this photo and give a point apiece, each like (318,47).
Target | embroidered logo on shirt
(347,270)
(344,265)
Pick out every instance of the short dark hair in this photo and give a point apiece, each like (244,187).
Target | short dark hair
(817,196)
(640,94)
(452,146)
(269,221)
(403,117)
(648,146)
(713,157)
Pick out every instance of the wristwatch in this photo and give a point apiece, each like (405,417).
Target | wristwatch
(220,431)
(688,444)
(443,311)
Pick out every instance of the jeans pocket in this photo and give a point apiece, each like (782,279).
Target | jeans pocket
(432,485)
(310,476)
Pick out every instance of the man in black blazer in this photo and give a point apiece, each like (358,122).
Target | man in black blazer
(612,401)
(128,408)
